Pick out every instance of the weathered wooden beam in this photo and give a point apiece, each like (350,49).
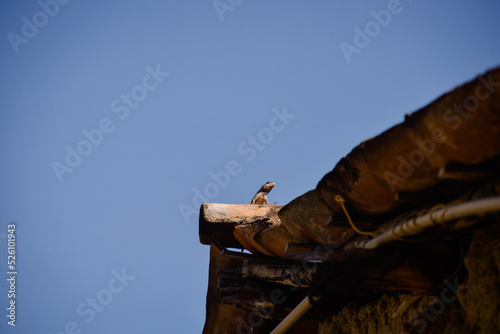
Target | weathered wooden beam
(232,298)
(256,296)
(220,318)
(237,265)
(311,251)
(400,268)
(218,221)
(297,275)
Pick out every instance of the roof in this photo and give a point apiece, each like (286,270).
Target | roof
(443,154)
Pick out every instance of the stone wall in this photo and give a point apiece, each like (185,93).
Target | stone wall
(469,306)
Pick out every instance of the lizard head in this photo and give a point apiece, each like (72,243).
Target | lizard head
(268,186)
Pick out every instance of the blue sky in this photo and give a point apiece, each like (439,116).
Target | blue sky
(166,104)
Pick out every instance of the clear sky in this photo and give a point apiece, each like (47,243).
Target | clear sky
(118,118)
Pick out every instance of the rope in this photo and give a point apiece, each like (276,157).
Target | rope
(341,200)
